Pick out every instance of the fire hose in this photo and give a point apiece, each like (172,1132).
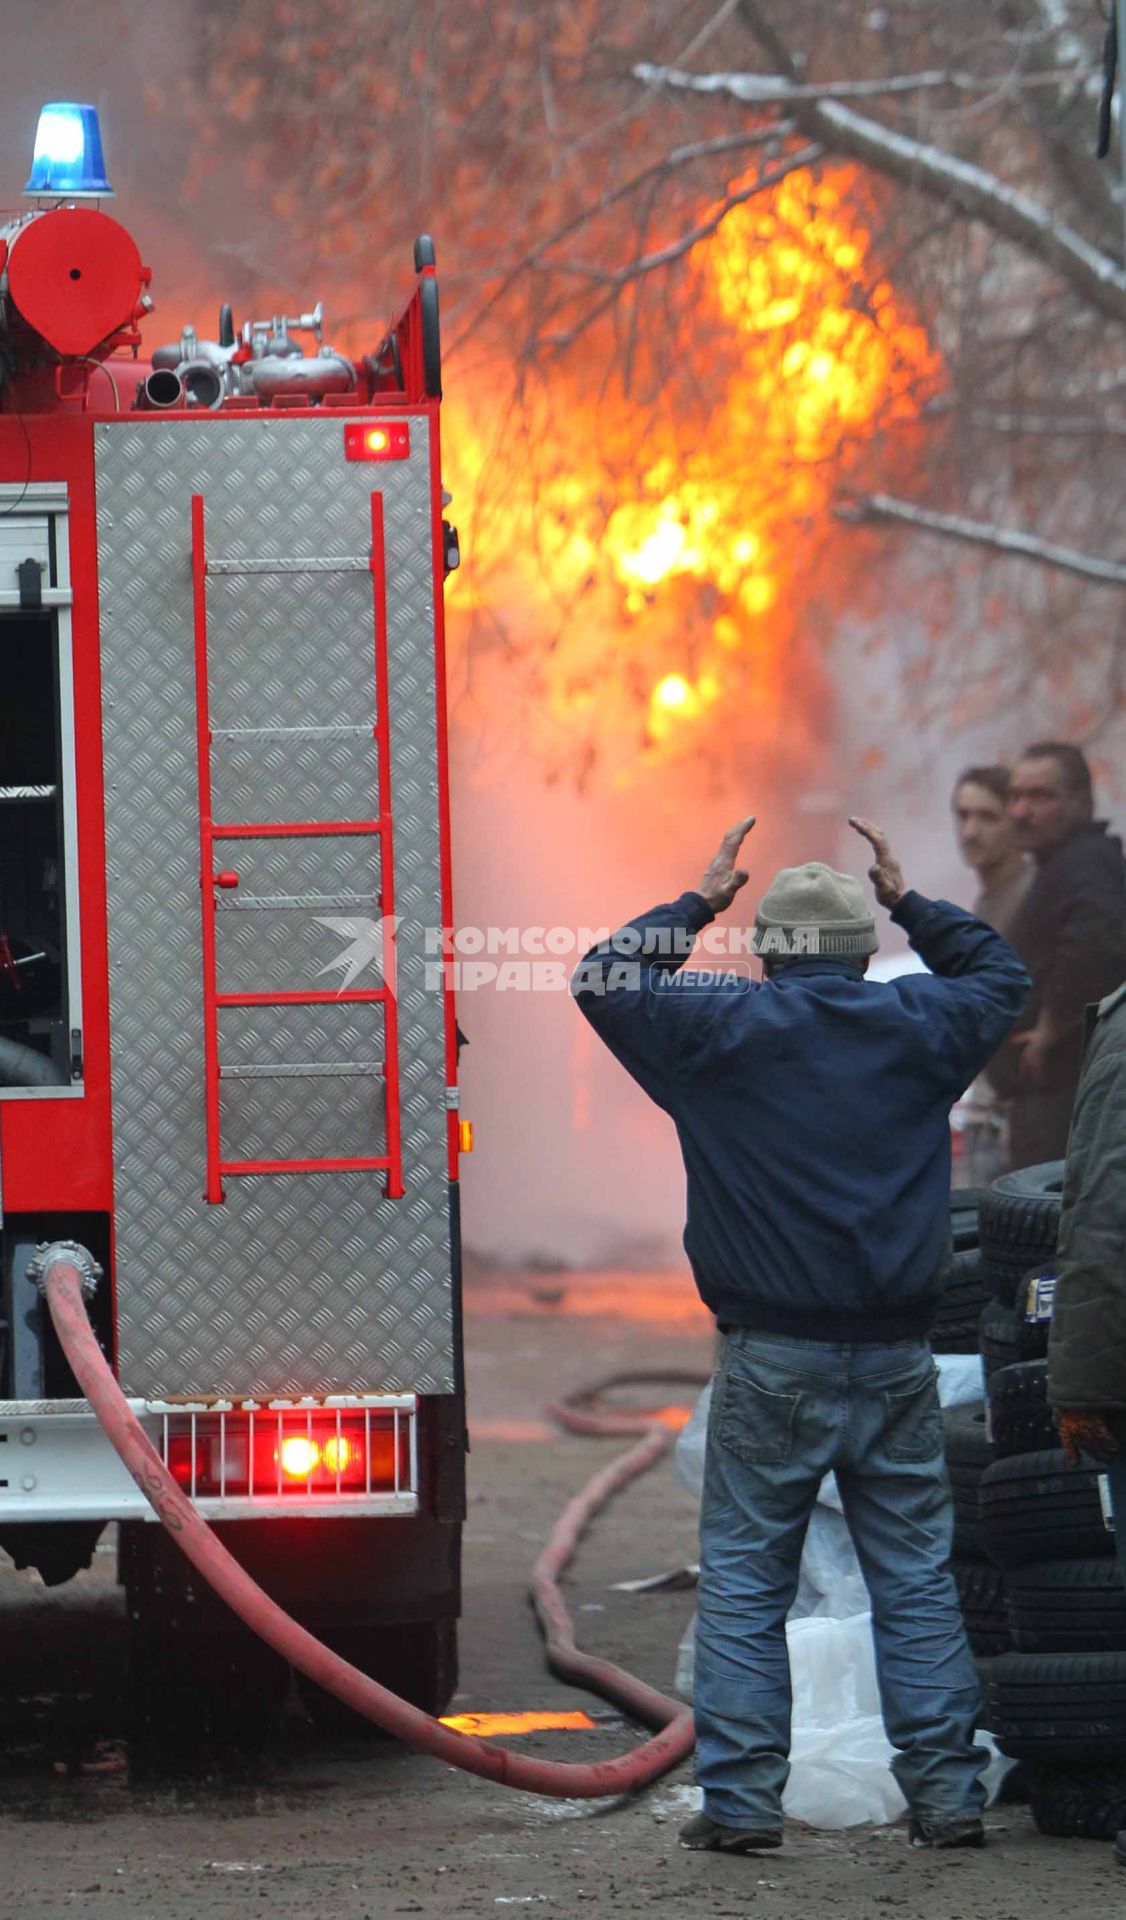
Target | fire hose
(67,1276)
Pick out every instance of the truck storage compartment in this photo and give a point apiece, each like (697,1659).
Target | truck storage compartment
(35,1041)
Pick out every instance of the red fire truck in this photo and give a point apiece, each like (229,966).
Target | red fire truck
(228,1048)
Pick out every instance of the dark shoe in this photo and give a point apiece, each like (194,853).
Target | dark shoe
(965,1832)
(702,1835)
(1120,1848)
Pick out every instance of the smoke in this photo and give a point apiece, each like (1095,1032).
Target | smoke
(572,1162)
(112,53)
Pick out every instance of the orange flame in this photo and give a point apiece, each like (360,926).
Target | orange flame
(486,1726)
(670,536)
(673,1417)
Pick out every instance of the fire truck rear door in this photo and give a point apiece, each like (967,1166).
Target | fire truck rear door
(278,1066)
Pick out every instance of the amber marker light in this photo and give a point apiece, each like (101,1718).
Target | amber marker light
(339,1454)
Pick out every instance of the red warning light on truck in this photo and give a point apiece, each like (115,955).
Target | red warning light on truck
(389,441)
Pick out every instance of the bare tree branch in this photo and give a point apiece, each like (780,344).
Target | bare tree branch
(980,533)
(915,163)
(1061,426)
(773,89)
(1064,116)
(669,163)
(710,27)
(613,281)
(769,176)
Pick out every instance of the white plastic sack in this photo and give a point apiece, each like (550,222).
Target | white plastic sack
(961,1378)
(688,1454)
(840,1755)
(831,1583)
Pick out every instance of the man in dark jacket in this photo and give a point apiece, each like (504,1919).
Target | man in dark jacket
(1070,931)
(1087,1349)
(813,1114)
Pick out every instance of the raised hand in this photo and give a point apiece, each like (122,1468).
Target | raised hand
(887,874)
(722,878)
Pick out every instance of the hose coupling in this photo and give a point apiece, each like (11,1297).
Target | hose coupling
(70,1253)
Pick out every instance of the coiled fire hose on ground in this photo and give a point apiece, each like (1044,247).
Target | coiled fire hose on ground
(66,1276)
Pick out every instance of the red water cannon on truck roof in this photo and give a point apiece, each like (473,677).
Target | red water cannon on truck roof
(228,1055)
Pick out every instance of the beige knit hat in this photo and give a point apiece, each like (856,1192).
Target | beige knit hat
(812,910)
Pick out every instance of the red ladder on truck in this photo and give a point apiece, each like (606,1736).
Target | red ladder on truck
(379,829)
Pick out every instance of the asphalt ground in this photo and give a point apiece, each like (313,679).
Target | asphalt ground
(318,1826)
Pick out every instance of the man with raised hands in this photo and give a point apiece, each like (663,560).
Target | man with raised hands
(812,1109)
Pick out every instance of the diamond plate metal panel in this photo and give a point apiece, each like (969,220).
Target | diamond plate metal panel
(310,1283)
(318,668)
(325,775)
(333,1032)
(282,951)
(302,1082)
(312,1117)
(296,864)
(286,927)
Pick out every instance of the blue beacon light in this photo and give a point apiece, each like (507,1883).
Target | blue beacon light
(68,154)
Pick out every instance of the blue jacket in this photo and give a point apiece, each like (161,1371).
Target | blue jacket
(813,1110)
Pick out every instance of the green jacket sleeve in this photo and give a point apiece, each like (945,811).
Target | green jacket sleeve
(1087,1350)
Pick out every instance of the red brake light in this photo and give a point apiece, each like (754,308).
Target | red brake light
(377,440)
(215,1455)
(299,1456)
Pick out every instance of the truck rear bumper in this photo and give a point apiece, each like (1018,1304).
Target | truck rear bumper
(56,1463)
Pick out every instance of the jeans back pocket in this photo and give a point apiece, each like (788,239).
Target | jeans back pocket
(755,1423)
(913,1424)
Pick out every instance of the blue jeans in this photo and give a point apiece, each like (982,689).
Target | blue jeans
(784,1412)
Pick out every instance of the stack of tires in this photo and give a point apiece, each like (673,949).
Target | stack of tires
(1057,1699)
(968,1449)
(1018,1220)
(957,1318)
(981,1586)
